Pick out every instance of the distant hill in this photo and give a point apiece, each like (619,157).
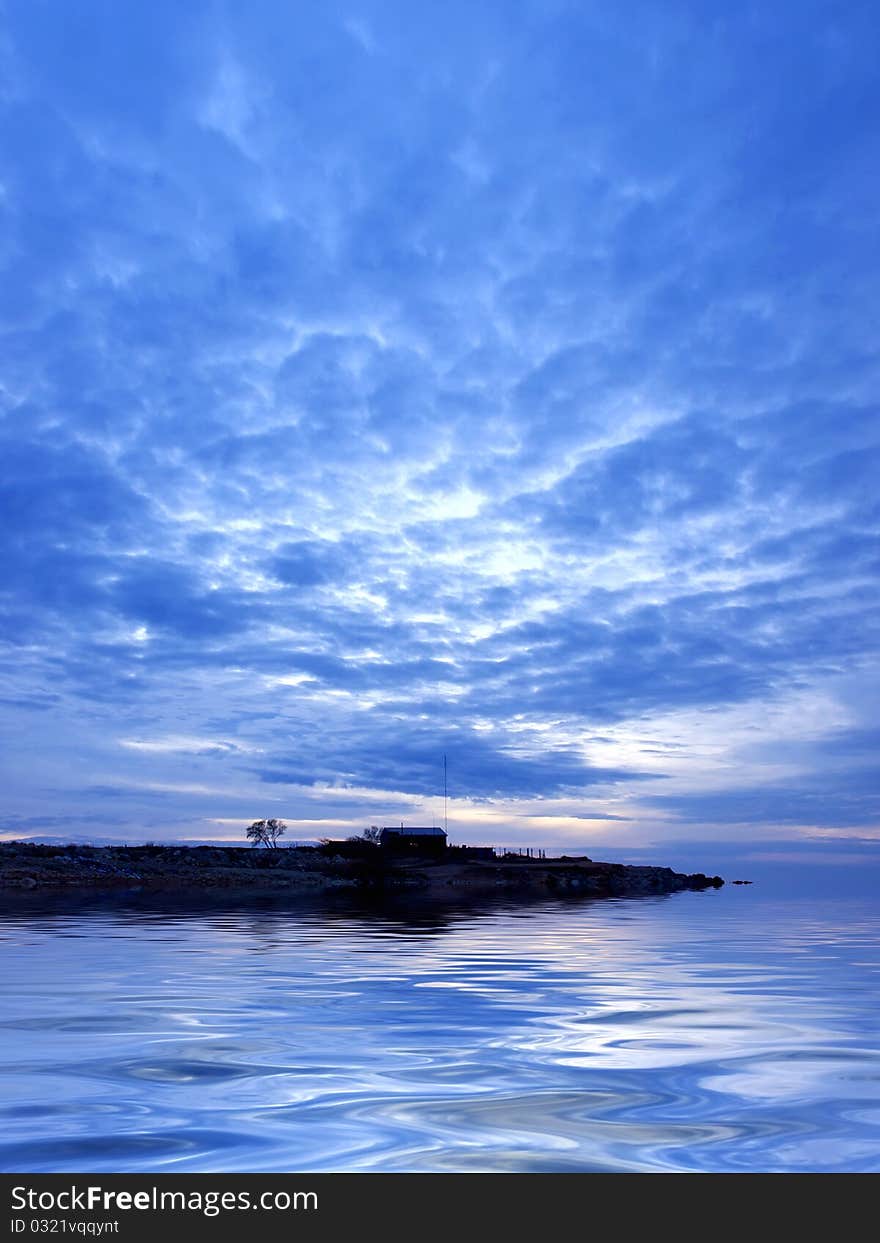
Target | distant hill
(86,839)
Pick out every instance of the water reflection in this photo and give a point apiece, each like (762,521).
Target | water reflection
(699,1032)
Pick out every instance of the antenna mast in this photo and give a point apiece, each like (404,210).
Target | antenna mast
(445,796)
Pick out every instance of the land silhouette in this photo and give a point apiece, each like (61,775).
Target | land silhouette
(356,865)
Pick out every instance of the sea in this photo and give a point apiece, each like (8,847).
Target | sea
(727,1030)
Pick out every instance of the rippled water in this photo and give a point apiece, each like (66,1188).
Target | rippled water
(704,1031)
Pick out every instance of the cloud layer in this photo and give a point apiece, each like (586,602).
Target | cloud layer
(392,381)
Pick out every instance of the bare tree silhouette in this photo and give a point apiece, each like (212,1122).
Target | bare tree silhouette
(266,832)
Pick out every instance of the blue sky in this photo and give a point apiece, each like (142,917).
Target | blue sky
(380,381)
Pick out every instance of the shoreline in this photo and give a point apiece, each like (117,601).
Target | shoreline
(302,871)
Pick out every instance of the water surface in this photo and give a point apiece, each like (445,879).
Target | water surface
(732,1030)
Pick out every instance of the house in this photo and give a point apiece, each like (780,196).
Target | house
(413,841)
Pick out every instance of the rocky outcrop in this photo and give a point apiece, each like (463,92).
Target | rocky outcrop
(552,876)
(25,866)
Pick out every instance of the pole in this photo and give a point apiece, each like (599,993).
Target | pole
(445,797)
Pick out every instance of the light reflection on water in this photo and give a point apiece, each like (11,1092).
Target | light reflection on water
(706,1031)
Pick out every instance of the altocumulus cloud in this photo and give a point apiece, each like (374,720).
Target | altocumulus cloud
(387,381)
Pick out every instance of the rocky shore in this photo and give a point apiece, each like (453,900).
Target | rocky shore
(32,868)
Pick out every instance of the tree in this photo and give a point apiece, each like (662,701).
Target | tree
(266,832)
(371,835)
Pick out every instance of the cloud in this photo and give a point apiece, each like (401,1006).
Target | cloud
(376,388)
(187,746)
